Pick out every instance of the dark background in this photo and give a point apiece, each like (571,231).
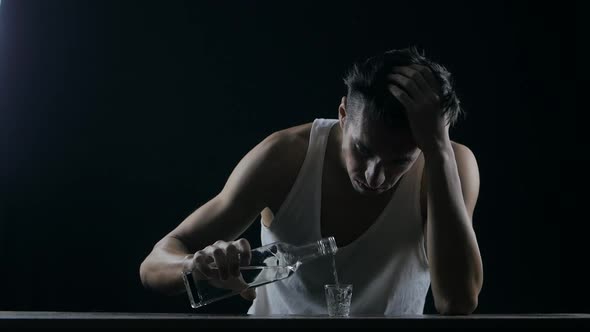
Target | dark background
(119,118)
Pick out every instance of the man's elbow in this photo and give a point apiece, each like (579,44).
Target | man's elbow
(144,273)
(465,305)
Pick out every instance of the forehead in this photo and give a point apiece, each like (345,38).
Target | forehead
(379,137)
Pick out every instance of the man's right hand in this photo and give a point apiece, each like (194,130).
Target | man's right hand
(262,178)
(220,264)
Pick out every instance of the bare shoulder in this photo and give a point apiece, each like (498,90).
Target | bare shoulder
(285,152)
(297,134)
(466,163)
(269,169)
(275,157)
(462,152)
(287,145)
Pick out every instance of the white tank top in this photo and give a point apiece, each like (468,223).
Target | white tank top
(386,265)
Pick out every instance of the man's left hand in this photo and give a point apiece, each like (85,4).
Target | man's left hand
(419,92)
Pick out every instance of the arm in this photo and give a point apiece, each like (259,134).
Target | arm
(246,193)
(452,188)
(452,183)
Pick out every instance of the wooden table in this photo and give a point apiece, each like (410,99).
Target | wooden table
(104,319)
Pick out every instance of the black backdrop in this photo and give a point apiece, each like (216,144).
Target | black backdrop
(119,118)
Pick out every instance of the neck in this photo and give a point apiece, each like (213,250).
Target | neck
(335,151)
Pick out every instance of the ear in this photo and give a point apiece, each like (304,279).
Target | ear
(342,112)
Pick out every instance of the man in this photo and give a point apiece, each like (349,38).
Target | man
(384,179)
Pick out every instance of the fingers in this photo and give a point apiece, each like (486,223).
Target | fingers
(417,82)
(429,77)
(200,265)
(220,260)
(401,95)
(407,84)
(249,294)
(233,260)
(244,249)
(415,75)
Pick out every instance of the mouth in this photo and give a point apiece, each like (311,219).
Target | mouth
(366,188)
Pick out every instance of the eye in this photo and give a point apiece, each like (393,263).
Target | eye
(362,150)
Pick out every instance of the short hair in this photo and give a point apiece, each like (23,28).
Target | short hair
(367,82)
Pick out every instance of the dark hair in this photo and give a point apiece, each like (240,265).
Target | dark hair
(367,84)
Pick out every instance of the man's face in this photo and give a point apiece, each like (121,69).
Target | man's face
(376,156)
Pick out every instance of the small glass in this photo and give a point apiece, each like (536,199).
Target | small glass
(338,298)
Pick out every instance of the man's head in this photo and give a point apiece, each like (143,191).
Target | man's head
(377,143)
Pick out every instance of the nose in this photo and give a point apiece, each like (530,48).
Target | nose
(374,175)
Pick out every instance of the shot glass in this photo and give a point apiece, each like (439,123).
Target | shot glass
(338,298)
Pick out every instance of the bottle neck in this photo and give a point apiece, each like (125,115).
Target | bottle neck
(317,249)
